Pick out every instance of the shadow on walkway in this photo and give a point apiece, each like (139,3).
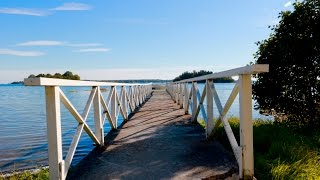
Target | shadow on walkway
(158,142)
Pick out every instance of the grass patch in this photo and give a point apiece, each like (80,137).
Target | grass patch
(280,152)
(41,174)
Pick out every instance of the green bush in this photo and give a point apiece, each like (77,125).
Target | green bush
(280,152)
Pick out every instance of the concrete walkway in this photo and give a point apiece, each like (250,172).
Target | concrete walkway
(158,142)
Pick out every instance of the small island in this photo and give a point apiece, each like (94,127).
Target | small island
(188,75)
(17,82)
(66,75)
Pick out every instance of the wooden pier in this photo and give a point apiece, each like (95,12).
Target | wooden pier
(158,142)
(161,138)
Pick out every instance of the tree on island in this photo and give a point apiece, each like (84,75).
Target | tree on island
(66,75)
(187,75)
(291,88)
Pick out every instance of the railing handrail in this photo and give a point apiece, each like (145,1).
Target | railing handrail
(252,69)
(123,98)
(65,82)
(190,98)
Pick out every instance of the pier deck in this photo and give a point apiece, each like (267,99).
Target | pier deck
(158,142)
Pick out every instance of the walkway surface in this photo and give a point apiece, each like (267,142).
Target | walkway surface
(158,142)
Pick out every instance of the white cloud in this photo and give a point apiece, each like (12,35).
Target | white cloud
(37,12)
(20,53)
(59,43)
(94,50)
(72,7)
(41,43)
(23,11)
(84,45)
(289,3)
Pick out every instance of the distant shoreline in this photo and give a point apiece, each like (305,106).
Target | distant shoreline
(17,82)
(136,81)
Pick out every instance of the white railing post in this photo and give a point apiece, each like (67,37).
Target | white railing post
(181,96)
(186,99)
(194,102)
(143,93)
(177,94)
(113,105)
(174,93)
(136,96)
(97,117)
(133,103)
(124,102)
(209,122)
(246,168)
(140,95)
(53,113)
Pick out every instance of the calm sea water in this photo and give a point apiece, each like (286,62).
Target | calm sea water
(23,139)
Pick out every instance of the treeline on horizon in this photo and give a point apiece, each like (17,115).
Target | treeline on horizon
(139,81)
(66,75)
(188,75)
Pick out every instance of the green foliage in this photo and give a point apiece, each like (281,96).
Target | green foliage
(42,174)
(66,75)
(187,75)
(291,88)
(32,76)
(280,152)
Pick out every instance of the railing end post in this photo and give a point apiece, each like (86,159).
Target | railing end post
(246,169)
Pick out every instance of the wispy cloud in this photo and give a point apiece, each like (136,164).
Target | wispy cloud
(287,4)
(136,21)
(72,7)
(24,11)
(20,53)
(84,45)
(41,43)
(94,50)
(58,43)
(45,12)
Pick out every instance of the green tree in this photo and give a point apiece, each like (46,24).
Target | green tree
(187,75)
(31,76)
(291,88)
(68,75)
(76,77)
(41,75)
(49,76)
(58,76)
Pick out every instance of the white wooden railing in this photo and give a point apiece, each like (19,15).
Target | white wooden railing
(191,98)
(130,97)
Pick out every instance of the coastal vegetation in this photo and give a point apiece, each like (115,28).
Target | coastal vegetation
(280,152)
(289,146)
(66,75)
(290,90)
(187,75)
(39,174)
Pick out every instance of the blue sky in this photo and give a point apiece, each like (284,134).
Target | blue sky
(127,39)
